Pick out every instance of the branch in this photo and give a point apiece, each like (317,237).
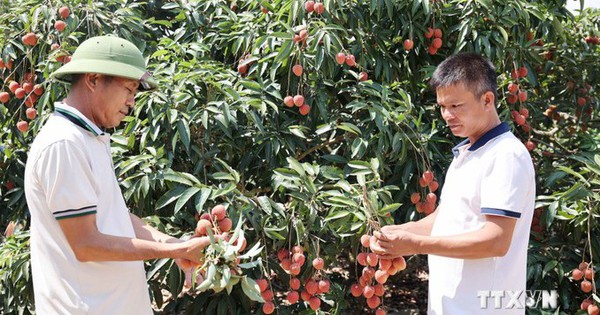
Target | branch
(324,144)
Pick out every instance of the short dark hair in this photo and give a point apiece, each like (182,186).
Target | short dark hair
(474,71)
(76,77)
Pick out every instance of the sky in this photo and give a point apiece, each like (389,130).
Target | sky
(574,4)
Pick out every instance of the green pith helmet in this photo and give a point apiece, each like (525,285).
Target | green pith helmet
(108,55)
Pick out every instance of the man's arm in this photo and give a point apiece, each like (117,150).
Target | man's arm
(492,240)
(89,244)
(146,232)
(421,227)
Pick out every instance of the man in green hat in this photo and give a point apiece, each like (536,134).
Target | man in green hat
(87,250)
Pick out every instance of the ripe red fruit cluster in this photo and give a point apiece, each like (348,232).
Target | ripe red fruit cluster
(292,261)
(301,37)
(518,73)
(29,39)
(592,40)
(426,206)
(312,287)
(520,118)
(25,90)
(536,224)
(363,76)
(8,65)
(31,113)
(60,25)
(64,58)
(64,12)
(309,290)
(4,97)
(319,8)
(342,58)
(243,65)
(312,6)
(583,96)
(530,145)
(374,275)
(515,93)
(298,101)
(435,34)
(309,6)
(217,221)
(297,70)
(584,272)
(589,306)
(267,295)
(22,125)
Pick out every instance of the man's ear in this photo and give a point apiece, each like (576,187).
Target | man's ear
(488,99)
(91,80)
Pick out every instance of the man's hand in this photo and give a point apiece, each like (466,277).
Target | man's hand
(392,242)
(194,249)
(194,258)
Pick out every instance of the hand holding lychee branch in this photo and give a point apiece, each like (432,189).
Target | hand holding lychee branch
(371,282)
(389,244)
(221,268)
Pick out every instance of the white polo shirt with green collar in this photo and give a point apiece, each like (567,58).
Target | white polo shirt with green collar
(70,173)
(492,177)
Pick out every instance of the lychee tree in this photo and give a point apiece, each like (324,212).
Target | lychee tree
(312,122)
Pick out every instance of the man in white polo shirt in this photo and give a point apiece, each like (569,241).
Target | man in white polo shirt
(87,250)
(477,238)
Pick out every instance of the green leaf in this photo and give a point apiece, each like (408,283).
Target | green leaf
(362,165)
(343,201)
(549,266)
(296,166)
(337,215)
(252,85)
(201,199)
(252,252)
(187,194)
(184,132)
(170,196)
(251,289)
(349,127)
(389,208)
(210,276)
(503,32)
(284,51)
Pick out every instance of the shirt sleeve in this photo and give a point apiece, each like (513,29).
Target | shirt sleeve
(507,184)
(67,179)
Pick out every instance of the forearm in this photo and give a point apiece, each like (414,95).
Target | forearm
(103,247)
(492,240)
(89,244)
(473,245)
(146,232)
(421,227)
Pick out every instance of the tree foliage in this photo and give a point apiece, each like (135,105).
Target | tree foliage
(217,131)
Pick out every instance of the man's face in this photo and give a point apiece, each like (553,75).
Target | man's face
(115,98)
(466,115)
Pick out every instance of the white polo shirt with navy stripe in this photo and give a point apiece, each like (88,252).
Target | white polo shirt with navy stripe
(70,173)
(492,177)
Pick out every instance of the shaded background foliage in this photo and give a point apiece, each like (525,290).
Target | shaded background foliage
(212,135)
